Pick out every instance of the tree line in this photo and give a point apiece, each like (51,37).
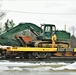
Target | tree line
(7,25)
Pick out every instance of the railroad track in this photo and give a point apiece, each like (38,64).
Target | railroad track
(60,59)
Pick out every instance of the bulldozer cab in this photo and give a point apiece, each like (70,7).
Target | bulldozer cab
(48,30)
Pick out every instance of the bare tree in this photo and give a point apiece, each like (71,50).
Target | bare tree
(9,24)
(2,13)
(12,24)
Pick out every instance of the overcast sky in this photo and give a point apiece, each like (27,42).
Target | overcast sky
(58,12)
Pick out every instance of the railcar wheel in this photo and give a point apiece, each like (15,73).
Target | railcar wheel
(26,55)
(44,55)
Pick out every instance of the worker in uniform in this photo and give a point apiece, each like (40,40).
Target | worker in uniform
(54,38)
